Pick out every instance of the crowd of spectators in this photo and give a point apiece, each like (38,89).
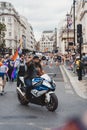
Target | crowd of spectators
(72,63)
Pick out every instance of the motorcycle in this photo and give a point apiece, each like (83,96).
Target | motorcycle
(42,92)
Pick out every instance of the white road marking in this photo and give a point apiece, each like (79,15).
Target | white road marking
(21,123)
(67,86)
(63,74)
(69,92)
(68,89)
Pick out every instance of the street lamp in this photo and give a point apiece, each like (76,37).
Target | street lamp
(68,15)
(74,9)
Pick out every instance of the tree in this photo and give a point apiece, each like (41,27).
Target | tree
(2,35)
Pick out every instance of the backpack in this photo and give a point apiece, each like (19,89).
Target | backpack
(79,64)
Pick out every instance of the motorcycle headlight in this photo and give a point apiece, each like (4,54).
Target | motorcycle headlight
(45,83)
(54,84)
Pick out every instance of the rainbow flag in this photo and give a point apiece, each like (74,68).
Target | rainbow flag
(15,56)
(1,63)
(18,51)
(14,74)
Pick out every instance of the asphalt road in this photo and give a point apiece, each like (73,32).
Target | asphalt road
(14,116)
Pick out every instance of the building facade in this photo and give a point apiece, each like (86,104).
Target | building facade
(80,18)
(81,13)
(29,38)
(16,28)
(66,41)
(48,41)
(66,36)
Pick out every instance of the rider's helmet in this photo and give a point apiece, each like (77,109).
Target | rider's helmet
(35,57)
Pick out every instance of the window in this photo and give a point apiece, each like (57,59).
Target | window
(2,10)
(9,11)
(3,4)
(9,4)
(10,43)
(15,37)
(9,33)
(9,19)
(3,19)
(15,20)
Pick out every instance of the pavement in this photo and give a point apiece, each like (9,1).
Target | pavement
(80,87)
(14,116)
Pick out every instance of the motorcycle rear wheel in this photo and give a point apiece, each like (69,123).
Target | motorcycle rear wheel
(53,104)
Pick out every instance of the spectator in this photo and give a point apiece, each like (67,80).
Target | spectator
(79,68)
(10,67)
(3,72)
(84,60)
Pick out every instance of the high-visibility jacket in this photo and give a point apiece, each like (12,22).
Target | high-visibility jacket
(78,64)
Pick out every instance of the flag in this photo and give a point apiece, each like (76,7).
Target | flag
(18,51)
(1,64)
(15,56)
(14,74)
(20,46)
(69,21)
(21,42)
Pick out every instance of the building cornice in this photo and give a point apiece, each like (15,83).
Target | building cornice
(65,31)
(85,44)
(84,3)
(82,14)
(13,16)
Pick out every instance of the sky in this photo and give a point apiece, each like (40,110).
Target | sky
(42,14)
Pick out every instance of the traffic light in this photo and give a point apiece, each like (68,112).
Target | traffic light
(79,33)
(80,41)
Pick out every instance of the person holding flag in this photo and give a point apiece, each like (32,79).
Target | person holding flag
(16,59)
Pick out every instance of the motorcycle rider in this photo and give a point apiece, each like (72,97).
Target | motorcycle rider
(34,69)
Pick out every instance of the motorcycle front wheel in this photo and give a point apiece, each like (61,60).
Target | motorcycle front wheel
(53,104)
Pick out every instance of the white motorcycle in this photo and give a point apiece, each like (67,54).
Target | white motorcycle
(42,92)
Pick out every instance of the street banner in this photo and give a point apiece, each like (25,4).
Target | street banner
(69,22)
